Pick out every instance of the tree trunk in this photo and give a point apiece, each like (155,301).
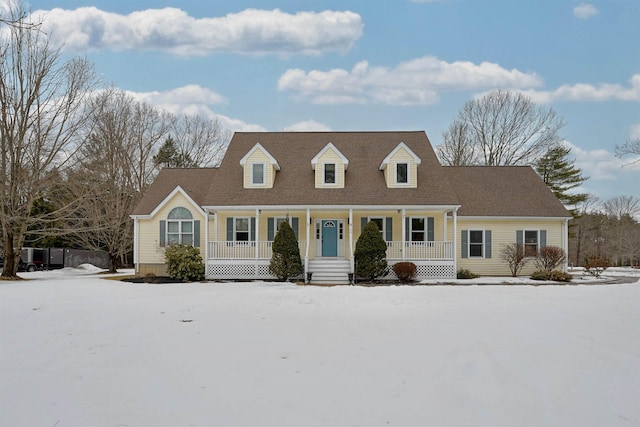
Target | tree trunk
(113,263)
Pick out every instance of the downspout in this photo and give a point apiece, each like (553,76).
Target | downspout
(136,245)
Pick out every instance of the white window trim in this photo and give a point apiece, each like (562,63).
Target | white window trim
(335,174)
(264,174)
(383,230)
(482,244)
(408,173)
(524,242)
(235,230)
(424,230)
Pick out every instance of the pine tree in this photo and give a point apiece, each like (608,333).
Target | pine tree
(285,261)
(168,156)
(561,174)
(371,253)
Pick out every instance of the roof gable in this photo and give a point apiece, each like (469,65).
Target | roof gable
(401,146)
(322,152)
(258,146)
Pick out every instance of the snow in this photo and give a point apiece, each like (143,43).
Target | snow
(79,350)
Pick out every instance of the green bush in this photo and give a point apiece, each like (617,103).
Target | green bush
(553,275)
(184,263)
(285,261)
(463,273)
(405,271)
(371,253)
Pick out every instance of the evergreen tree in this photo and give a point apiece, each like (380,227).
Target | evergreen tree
(168,156)
(561,174)
(371,253)
(285,261)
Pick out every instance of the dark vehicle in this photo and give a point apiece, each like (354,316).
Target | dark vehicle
(22,266)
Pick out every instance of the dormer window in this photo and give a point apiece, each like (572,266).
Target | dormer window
(400,167)
(257,173)
(330,167)
(402,173)
(329,173)
(260,168)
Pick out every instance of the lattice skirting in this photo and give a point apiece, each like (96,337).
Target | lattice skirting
(430,270)
(259,270)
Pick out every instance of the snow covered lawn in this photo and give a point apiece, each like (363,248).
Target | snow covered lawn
(77,350)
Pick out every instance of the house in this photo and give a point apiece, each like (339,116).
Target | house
(327,186)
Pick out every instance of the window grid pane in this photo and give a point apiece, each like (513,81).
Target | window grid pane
(402,173)
(330,173)
(258,173)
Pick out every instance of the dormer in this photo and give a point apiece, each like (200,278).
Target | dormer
(401,167)
(259,168)
(330,165)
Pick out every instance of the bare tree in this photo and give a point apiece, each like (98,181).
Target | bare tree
(624,233)
(500,129)
(203,141)
(115,168)
(513,254)
(41,118)
(629,147)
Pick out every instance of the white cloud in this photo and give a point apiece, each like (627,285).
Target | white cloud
(602,165)
(193,100)
(307,126)
(414,82)
(635,131)
(173,30)
(589,92)
(585,11)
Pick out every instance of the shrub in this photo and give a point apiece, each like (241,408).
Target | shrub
(594,265)
(463,273)
(285,261)
(371,253)
(405,271)
(554,275)
(184,263)
(513,255)
(550,258)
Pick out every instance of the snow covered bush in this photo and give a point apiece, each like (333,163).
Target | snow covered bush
(405,271)
(371,253)
(184,262)
(285,261)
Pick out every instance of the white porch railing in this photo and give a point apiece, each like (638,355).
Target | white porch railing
(245,250)
(412,250)
(420,250)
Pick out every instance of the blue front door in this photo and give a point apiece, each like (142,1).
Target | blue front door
(329,237)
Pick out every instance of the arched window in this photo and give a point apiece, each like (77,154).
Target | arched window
(180,227)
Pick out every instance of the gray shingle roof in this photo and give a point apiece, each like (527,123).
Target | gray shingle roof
(503,191)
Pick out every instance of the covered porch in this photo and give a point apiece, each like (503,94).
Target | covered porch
(239,243)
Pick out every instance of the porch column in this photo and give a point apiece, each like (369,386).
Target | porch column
(455,239)
(565,245)
(306,252)
(444,221)
(136,245)
(257,242)
(351,261)
(404,232)
(206,235)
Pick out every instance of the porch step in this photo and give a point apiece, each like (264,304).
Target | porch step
(329,271)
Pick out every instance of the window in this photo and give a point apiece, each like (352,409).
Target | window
(402,173)
(417,229)
(476,243)
(531,242)
(241,229)
(379,221)
(329,173)
(257,173)
(180,227)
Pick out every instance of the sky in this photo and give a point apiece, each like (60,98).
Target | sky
(263,65)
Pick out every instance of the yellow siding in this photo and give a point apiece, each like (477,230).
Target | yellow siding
(149,250)
(503,232)
(330,156)
(258,156)
(401,156)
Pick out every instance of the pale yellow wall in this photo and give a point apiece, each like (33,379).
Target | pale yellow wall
(503,232)
(401,156)
(149,231)
(330,156)
(259,156)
